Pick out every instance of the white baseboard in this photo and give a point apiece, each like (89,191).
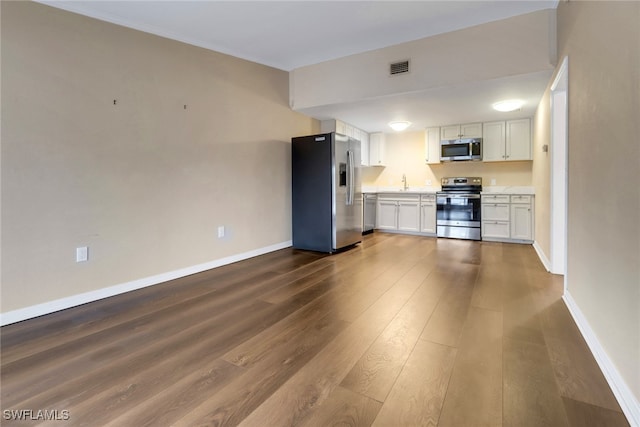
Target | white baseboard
(75,300)
(628,402)
(542,256)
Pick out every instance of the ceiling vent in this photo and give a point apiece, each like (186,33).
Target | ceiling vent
(401,67)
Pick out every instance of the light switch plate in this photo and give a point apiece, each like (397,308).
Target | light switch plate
(82,254)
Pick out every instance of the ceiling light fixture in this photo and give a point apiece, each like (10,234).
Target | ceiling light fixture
(399,126)
(508,105)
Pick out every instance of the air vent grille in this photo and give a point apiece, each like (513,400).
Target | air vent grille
(401,67)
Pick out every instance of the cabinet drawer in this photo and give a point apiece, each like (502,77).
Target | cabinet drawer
(495,229)
(495,211)
(495,198)
(428,198)
(520,199)
(399,197)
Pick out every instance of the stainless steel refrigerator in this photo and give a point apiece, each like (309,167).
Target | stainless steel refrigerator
(326,192)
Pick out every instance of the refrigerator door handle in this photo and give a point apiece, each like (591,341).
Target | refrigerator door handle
(350,172)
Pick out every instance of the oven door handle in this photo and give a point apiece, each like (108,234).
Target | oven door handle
(462,196)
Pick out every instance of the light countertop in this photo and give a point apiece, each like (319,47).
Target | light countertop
(490,189)
(399,190)
(494,189)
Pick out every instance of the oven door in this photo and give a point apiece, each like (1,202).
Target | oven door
(458,215)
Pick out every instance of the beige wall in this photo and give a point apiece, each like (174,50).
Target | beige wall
(541,174)
(405,155)
(602,42)
(144,183)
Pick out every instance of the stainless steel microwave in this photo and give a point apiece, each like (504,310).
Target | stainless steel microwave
(453,150)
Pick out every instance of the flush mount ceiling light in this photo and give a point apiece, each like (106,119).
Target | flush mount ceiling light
(399,126)
(508,105)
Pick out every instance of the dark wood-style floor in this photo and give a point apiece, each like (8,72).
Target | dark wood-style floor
(398,331)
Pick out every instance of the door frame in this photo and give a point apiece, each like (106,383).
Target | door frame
(559,170)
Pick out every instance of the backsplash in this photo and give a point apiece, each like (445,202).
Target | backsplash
(405,155)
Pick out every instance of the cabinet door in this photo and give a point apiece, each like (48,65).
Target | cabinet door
(428,217)
(493,140)
(408,216)
(364,148)
(518,140)
(521,222)
(432,145)
(450,132)
(327,126)
(341,127)
(376,149)
(386,215)
(471,130)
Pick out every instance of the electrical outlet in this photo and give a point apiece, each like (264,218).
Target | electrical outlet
(428,183)
(221,232)
(82,254)
(493,181)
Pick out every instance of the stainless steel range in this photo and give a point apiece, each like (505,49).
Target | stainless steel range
(458,208)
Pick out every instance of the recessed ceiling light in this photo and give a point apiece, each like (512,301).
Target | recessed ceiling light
(399,126)
(508,105)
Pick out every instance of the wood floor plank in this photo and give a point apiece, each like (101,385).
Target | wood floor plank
(520,309)
(446,323)
(488,290)
(346,409)
(474,396)
(582,414)
(417,397)
(575,367)
(377,370)
(154,398)
(531,396)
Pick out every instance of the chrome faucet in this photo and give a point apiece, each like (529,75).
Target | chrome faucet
(404,182)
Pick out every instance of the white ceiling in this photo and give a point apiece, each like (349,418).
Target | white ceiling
(291,34)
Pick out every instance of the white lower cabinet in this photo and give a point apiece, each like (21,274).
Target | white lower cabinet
(406,213)
(507,217)
(409,215)
(428,214)
(387,214)
(521,220)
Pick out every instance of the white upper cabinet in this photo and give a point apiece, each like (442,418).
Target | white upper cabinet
(506,141)
(376,149)
(364,148)
(343,128)
(468,130)
(518,139)
(493,139)
(432,145)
